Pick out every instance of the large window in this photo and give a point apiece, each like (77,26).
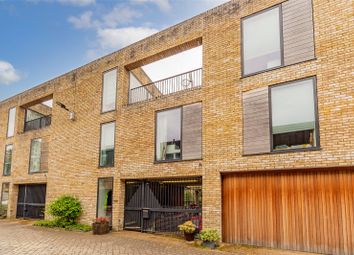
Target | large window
(168,135)
(107,144)
(104,198)
(11,122)
(5,189)
(109,91)
(35,156)
(261,45)
(8,159)
(294,120)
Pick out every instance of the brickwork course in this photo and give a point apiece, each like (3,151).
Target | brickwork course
(74,145)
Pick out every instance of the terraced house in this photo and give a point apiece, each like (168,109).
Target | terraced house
(255,139)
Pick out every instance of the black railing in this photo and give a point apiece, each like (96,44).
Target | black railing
(38,123)
(180,82)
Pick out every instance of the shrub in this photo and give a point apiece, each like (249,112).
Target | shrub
(66,210)
(209,235)
(187,227)
(80,227)
(3,211)
(45,223)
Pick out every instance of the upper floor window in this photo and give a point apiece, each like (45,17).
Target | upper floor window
(8,160)
(38,115)
(109,91)
(107,144)
(293,111)
(35,156)
(168,135)
(261,45)
(11,122)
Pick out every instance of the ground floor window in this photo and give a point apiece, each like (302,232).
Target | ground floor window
(104,198)
(4,198)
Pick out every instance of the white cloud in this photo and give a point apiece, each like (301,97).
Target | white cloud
(119,15)
(115,38)
(77,2)
(8,74)
(83,21)
(162,4)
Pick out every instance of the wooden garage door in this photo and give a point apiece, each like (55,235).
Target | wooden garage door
(307,211)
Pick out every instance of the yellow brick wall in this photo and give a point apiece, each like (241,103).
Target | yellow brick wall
(74,145)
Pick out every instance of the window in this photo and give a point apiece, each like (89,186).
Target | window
(5,195)
(107,144)
(11,122)
(294,120)
(35,156)
(104,198)
(8,160)
(109,91)
(168,135)
(261,41)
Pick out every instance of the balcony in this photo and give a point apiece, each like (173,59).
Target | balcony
(38,123)
(181,82)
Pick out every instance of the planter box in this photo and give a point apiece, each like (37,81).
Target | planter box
(189,236)
(100,228)
(211,245)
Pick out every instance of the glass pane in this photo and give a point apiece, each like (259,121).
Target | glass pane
(5,194)
(8,160)
(293,115)
(107,144)
(109,91)
(104,199)
(168,140)
(11,124)
(35,157)
(261,41)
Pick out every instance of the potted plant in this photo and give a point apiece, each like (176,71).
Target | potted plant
(2,212)
(209,237)
(188,228)
(100,226)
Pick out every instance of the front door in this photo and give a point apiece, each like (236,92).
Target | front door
(31,201)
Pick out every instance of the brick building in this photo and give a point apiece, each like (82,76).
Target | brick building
(257,142)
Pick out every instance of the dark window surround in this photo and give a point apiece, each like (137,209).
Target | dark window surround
(281,39)
(173,160)
(317,128)
(3,171)
(115,105)
(281,43)
(114,142)
(29,162)
(181,134)
(8,122)
(98,184)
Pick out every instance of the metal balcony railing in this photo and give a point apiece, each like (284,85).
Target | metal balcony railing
(38,123)
(185,81)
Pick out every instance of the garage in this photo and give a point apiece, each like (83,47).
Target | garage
(310,210)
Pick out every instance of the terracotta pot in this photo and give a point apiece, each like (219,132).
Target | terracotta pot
(100,228)
(189,236)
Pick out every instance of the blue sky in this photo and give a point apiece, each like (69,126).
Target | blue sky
(41,39)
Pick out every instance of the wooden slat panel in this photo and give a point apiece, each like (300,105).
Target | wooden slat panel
(44,155)
(298,31)
(256,136)
(192,132)
(304,210)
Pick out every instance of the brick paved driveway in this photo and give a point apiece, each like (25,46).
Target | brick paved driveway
(22,238)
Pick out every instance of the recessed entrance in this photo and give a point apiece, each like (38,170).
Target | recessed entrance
(31,201)
(162,205)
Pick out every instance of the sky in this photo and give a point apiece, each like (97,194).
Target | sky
(42,39)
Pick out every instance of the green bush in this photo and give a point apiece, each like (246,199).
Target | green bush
(66,210)
(209,235)
(45,223)
(80,227)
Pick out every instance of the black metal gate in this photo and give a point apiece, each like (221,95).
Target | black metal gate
(162,205)
(31,201)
